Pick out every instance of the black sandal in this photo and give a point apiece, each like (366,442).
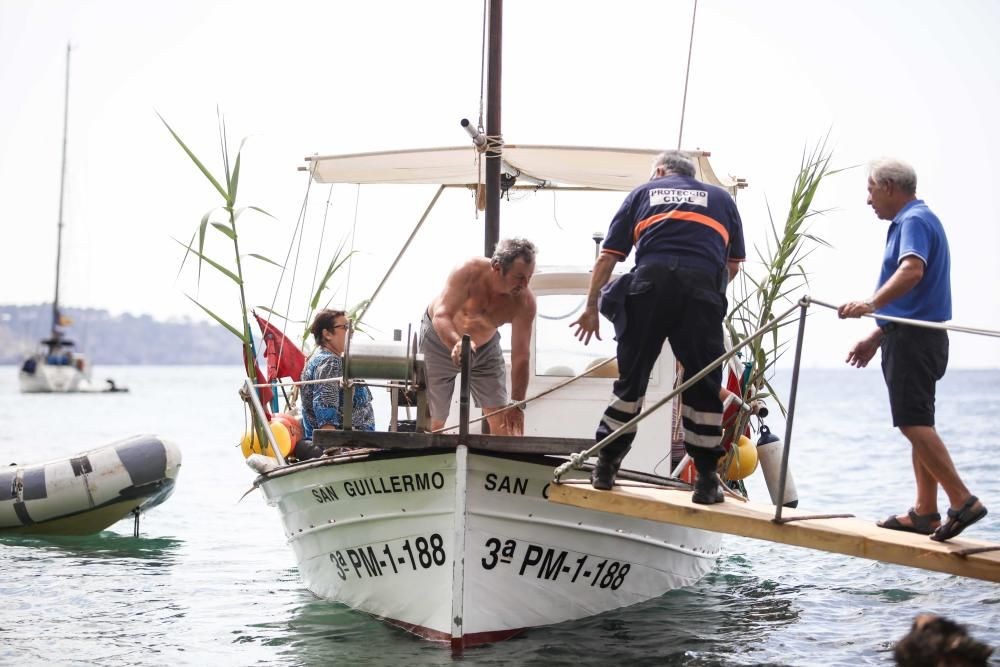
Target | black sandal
(919,523)
(959,520)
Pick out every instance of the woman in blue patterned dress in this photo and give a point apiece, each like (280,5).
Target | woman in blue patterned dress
(321,403)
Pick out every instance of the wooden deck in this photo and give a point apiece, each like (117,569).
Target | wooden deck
(849,536)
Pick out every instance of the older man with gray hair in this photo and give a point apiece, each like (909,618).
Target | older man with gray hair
(479,296)
(688,239)
(915,284)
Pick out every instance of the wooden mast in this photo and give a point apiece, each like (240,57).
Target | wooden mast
(493,155)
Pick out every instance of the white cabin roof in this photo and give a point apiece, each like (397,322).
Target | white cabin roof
(562,280)
(615,169)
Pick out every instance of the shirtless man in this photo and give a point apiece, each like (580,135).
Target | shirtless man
(480,296)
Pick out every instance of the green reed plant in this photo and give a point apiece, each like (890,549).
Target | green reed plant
(336,263)
(783,275)
(224,219)
(230,215)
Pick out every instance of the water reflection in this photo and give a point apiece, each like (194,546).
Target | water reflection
(228,592)
(105,589)
(103,545)
(320,632)
(719,621)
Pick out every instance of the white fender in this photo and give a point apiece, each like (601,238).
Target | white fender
(769,449)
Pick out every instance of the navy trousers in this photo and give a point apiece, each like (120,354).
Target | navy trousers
(686,306)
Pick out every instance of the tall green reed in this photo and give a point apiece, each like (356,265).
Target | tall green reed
(780,280)
(227,189)
(224,219)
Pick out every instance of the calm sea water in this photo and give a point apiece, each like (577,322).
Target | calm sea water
(211,581)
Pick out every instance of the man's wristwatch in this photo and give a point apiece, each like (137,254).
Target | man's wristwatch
(870,303)
(516,404)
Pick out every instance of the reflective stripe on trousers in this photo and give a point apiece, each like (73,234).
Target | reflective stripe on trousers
(684,306)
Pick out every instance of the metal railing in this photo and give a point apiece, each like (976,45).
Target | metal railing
(576,460)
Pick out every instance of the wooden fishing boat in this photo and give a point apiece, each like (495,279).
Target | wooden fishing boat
(451,536)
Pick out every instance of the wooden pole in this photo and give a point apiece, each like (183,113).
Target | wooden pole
(493,154)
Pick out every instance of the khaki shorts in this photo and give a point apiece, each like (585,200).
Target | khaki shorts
(487,375)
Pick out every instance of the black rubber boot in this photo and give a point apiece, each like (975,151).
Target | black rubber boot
(603,475)
(707,490)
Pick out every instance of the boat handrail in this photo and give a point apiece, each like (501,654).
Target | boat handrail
(297,383)
(340,380)
(918,323)
(250,394)
(577,460)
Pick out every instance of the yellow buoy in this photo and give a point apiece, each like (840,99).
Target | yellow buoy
(293,424)
(250,444)
(742,459)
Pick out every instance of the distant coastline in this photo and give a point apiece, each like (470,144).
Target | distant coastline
(118,339)
(142,340)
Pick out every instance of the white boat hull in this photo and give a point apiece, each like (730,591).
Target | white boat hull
(381,534)
(88,492)
(51,378)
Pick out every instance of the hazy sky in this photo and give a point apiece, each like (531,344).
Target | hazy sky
(912,79)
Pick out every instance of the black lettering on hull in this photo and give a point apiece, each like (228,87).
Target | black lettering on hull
(506,484)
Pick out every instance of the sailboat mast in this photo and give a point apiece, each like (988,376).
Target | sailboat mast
(687,74)
(493,155)
(62,193)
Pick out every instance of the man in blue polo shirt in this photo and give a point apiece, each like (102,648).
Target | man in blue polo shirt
(914,284)
(688,239)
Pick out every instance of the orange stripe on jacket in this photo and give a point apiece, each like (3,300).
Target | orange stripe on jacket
(681,215)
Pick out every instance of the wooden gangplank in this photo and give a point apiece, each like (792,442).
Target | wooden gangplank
(849,536)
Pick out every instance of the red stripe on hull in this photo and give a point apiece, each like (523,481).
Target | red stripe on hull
(457,643)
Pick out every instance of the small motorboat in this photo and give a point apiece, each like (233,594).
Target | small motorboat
(86,493)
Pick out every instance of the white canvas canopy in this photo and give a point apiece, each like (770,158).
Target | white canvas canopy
(616,169)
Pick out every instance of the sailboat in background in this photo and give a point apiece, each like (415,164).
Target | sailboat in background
(56,366)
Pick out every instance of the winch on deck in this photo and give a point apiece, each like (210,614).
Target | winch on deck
(401,366)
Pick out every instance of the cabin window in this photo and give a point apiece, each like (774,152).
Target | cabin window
(557,351)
